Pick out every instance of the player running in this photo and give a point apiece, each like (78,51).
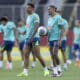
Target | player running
(22,32)
(76,41)
(8,30)
(32,40)
(54,38)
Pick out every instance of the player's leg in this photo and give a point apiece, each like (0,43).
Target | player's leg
(39,57)
(34,59)
(9,47)
(1,59)
(37,54)
(36,48)
(22,57)
(54,55)
(21,46)
(57,61)
(63,50)
(2,49)
(9,62)
(75,48)
(27,50)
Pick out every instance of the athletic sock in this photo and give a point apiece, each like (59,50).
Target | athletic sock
(25,71)
(1,64)
(55,71)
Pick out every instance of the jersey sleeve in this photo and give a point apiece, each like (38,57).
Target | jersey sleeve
(36,19)
(66,25)
(11,25)
(60,20)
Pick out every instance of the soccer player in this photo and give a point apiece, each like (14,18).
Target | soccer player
(63,42)
(22,32)
(76,41)
(64,39)
(32,40)
(8,30)
(54,38)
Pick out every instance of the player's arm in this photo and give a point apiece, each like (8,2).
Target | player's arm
(65,32)
(66,29)
(35,30)
(16,33)
(14,30)
(61,32)
(73,33)
(36,21)
(61,28)
(24,32)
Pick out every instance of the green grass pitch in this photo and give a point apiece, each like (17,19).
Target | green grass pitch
(73,73)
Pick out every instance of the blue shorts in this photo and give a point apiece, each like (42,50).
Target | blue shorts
(53,43)
(21,45)
(75,47)
(35,41)
(63,45)
(7,45)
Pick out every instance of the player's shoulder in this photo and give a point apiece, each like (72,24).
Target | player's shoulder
(35,15)
(10,23)
(65,21)
(58,15)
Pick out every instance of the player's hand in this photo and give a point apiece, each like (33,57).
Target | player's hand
(59,43)
(30,40)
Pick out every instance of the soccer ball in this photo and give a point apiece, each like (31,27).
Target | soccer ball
(42,31)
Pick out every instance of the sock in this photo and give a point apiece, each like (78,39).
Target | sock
(33,63)
(25,71)
(10,65)
(65,65)
(52,64)
(55,70)
(69,61)
(1,64)
(77,56)
(59,68)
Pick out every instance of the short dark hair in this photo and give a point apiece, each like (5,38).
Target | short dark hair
(54,7)
(30,4)
(4,18)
